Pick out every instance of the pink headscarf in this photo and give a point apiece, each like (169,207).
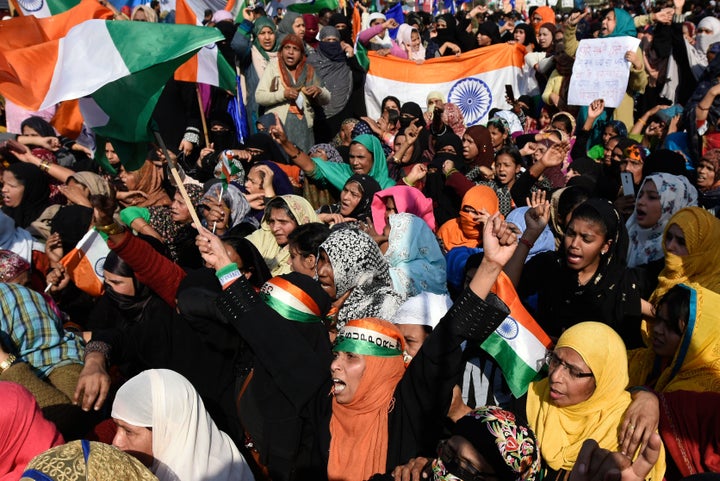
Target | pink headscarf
(407,199)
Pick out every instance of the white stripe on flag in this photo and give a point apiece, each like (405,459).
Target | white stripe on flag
(87,60)
(526,346)
(208,65)
(96,250)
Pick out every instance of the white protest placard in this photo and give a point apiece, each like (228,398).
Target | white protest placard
(601,71)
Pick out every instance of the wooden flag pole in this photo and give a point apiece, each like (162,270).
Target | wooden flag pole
(202,116)
(178,180)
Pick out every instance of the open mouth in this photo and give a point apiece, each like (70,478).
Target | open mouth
(338,386)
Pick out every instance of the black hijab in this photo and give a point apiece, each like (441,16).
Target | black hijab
(35,198)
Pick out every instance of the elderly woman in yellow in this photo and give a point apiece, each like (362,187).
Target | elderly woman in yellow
(282,216)
(684,352)
(583,397)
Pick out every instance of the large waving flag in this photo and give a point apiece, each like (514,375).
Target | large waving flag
(116,69)
(43,8)
(310,6)
(208,66)
(84,264)
(475,81)
(519,344)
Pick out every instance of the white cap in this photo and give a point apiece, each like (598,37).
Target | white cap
(425,309)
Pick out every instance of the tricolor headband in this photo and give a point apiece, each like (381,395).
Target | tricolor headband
(363,336)
(290,301)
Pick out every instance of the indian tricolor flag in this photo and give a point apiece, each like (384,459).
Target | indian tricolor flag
(43,8)
(518,345)
(474,81)
(84,264)
(208,66)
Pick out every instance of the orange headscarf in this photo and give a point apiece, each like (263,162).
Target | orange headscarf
(149,180)
(359,429)
(463,231)
(547,14)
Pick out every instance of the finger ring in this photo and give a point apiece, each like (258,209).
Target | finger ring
(632,427)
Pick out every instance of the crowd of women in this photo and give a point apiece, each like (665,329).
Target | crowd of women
(315,302)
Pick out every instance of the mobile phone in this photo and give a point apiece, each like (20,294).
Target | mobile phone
(627,183)
(509,93)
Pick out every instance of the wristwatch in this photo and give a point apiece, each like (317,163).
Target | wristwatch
(5,365)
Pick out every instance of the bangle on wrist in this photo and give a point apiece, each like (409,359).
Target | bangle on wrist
(407,182)
(297,154)
(5,365)
(641,121)
(45,166)
(111,229)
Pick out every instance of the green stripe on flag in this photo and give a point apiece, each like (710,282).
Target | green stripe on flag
(518,375)
(226,73)
(314,6)
(60,6)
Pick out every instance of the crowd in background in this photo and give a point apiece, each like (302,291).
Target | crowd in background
(318,300)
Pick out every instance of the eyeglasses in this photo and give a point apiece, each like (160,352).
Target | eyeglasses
(553,362)
(460,467)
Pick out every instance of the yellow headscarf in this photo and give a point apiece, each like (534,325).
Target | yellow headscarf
(561,431)
(702,264)
(696,364)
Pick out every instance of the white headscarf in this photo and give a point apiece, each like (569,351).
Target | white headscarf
(676,192)
(16,239)
(186,443)
(704,40)
(425,309)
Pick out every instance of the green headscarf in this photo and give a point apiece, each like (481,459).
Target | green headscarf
(259,24)
(624,25)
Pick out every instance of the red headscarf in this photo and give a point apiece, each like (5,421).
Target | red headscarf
(24,432)
(483,141)
(311,29)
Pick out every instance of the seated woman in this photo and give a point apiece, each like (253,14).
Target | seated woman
(417,318)
(583,397)
(170,225)
(304,243)
(37,353)
(25,193)
(85,460)
(398,199)
(690,254)
(24,431)
(366,377)
(416,261)
(684,343)
(355,201)
(162,421)
(353,271)
(144,187)
(265,180)
(660,197)
(590,279)
(366,157)
(478,204)
(508,165)
(282,215)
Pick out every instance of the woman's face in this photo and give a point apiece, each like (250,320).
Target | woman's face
(12,190)
(390,209)
(414,40)
(300,263)
(648,208)
(675,241)
(705,174)
(237,259)
(483,40)
(111,155)
(129,179)
(415,335)
(140,16)
(120,284)
(291,55)
(391,105)
(266,38)
(178,210)
(539,152)
(281,225)
(544,119)
(350,197)
(497,136)
(610,150)
(298,26)
(608,24)
(544,38)
(505,169)
(665,341)
(29,131)
(519,35)
(325,274)
(254,181)
(584,244)
(608,133)
(470,148)
(346,370)
(361,159)
(134,440)
(565,389)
